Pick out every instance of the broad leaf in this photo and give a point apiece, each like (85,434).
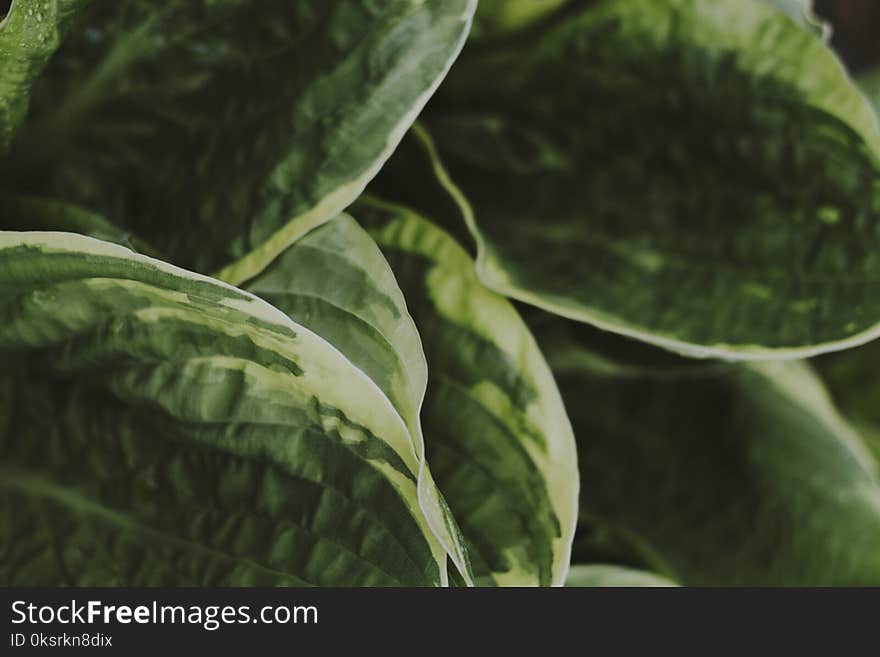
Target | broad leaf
(698,174)
(29,34)
(596,575)
(222,131)
(744,476)
(497,436)
(335,281)
(159,427)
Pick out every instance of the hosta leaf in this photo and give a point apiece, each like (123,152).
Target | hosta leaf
(698,174)
(746,476)
(224,130)
(335,282)
(496,432)
(596,575)
(164,428)
(29,34)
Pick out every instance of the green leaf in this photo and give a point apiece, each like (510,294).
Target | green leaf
(221,131)
(698,174)
(596,575)
(496,433)
(335,282)
(29,34)
(744,476)
(159,427)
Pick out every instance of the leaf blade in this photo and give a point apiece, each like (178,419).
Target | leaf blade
(742,476)
(225,130)
(495,429)
(642,219)
(227,434)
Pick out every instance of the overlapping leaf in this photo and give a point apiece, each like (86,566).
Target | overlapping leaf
(493,422)
(497,435)
(224,130)
(740,476)
(335,281)
(699,174)
(159,427)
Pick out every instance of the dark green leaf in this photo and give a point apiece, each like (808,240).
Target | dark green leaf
(698,174)
(161,428)
(224,130)
(496,433)
(742,476)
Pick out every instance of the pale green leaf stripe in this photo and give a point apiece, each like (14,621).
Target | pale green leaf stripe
(496,433)
(742,477)
(336,282)
(198,419)
(600,575)
(723,95)
(29,34)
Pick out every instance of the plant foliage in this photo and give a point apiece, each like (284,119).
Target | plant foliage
(260,326)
